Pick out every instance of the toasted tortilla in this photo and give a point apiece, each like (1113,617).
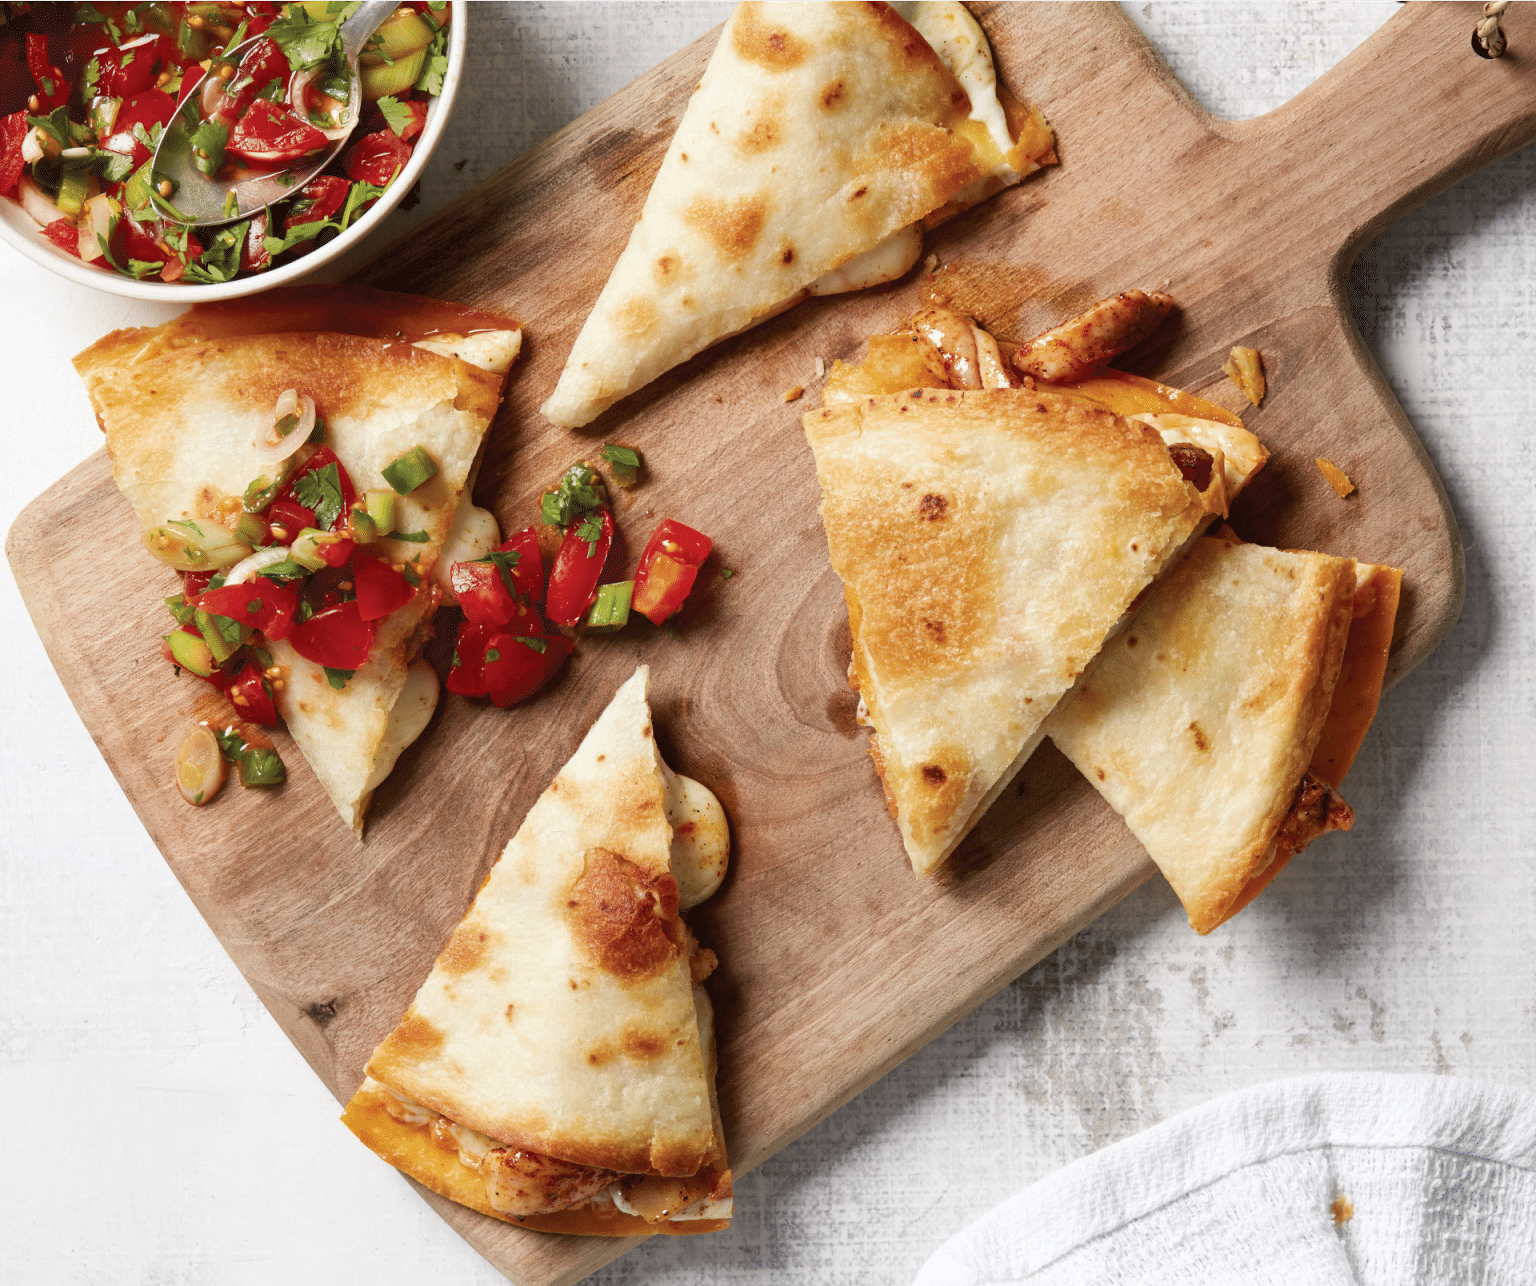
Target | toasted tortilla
(1199,721)
(817,132)
(988,542)
(563,1015)
(182,411)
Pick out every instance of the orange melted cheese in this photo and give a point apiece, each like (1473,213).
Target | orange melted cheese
(1127,394)
(1358,689)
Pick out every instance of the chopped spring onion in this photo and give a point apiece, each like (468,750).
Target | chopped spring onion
(410,471)
(195,546)
(223,635)
(381,508)
(248,567)
(177,606)
(263,490)
(190,653)
(364,530)
(250,529)
(293,418)
(199,765)
(610,610)
(305,549)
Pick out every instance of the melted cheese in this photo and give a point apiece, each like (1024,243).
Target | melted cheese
(408,719)
(701,838)
(472,534)
(884,261)
(959,42)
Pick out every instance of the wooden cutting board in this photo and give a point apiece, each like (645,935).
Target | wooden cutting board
(835,963)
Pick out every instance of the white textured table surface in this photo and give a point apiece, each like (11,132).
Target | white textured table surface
(159,1127)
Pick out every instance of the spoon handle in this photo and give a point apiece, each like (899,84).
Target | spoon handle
(365,20)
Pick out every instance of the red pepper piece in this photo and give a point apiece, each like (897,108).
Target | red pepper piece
(338,638)
(195,582)
(251,696)
(262,604)
(669,564)
(122,73)
(515,669)
(13,130)
(150,108)
(380,588)
(528,575)
(271,135)
(578,564)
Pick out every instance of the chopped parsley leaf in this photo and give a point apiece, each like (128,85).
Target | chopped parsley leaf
(338,678)
(396,114)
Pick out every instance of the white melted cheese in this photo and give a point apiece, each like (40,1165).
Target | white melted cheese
(884,261)
(408,719)
(1236,450)
(958,40)
(703,1208)
(701,837)
(472,534)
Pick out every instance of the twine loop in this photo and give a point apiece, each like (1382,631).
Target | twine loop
(1488,36)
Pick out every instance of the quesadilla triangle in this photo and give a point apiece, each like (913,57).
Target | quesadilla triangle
(1221,722)
(820,141)
(557,1068)
(988,542)
(190,410)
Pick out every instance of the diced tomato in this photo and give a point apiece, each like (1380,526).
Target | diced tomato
(669,564)
(262,64)
(122,73)
(482,593)
(52,88)
(318,200)
(466,675)
(380,588)
(262,604)
(64,234)
(418,121)
(195,582)
(150,108)
(314,464)
(251,695)
(290,515)
(376,158)
(336,553)
(578,564)
(528,575)
(254,255)
(514,669)
(271,135)
(338,637)
(13,130)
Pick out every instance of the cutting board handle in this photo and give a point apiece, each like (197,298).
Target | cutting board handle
(1410,112)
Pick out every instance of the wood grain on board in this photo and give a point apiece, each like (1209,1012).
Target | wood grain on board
(835,963)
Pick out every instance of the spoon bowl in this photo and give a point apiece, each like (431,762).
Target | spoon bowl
(198,199)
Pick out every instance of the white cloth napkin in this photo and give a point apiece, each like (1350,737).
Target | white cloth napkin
(1432,1179)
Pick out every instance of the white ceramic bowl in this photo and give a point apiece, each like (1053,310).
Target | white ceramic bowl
(18,229)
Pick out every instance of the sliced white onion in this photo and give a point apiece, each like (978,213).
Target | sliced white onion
(37,205)
(95,221)
(248,567)
(214,99)
(298,100)
(34,146)
(274,449)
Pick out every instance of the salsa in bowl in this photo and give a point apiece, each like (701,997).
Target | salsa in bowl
(86,91)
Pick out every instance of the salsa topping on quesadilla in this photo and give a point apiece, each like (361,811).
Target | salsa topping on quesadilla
(304,461)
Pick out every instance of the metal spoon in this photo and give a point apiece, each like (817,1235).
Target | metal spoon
(200,199)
